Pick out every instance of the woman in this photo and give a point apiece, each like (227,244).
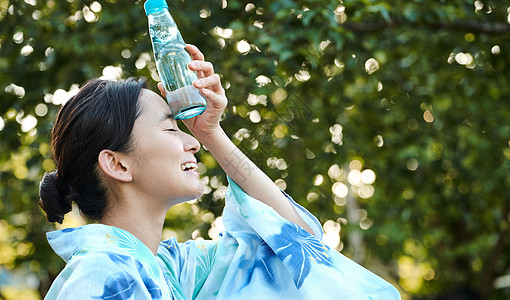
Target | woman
(122,159)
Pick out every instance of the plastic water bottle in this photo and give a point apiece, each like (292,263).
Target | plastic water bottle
(172,60)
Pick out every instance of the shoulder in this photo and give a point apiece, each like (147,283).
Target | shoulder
(104,262)
(101,274)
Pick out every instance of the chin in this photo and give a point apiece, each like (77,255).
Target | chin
(192,194)
(199,191)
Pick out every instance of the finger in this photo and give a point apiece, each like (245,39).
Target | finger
(161,89)
(212,82)
(215,100)
(194,52)
(196,55)
(205,67)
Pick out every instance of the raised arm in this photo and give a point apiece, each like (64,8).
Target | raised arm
(249,177)
(237,165)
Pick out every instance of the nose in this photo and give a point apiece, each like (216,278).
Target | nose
(190,143)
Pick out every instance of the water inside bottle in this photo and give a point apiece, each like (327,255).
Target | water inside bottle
(186,102)
(162,34)
(172,61)
(172,64)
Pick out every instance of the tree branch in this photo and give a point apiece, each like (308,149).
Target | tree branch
(459,25)
(472,26)
(489,273)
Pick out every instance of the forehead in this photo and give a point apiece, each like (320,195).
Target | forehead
(152,106)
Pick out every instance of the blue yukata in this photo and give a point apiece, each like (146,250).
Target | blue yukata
(259,256)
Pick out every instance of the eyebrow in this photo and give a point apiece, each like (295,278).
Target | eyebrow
(166,117)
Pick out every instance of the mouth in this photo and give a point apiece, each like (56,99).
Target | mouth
(189,166)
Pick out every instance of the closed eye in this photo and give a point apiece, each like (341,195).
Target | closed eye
(171,130)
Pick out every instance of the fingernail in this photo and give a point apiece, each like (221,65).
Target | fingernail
(193,64)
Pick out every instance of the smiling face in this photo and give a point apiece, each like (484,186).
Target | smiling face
(163,162)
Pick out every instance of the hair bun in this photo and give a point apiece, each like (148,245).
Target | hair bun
(55,198)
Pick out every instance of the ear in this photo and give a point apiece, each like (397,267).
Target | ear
(115,165)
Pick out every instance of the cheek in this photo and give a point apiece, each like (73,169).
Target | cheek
(158,150)
(139,156)
(141,161)
(170,147)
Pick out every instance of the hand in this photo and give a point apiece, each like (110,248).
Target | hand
(209,84)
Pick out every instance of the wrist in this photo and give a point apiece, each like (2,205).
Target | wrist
(211,137)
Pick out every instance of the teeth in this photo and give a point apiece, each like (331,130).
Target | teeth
(188,166)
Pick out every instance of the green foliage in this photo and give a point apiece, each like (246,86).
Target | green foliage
(319,91)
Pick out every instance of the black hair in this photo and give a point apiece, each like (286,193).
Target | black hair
(100,116)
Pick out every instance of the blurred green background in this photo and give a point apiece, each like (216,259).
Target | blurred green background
(389,120)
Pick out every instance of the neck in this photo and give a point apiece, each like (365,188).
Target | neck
(143,221)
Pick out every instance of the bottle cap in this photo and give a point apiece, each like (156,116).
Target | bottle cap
(152,6)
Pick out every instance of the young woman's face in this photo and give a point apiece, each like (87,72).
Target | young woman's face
(163,156)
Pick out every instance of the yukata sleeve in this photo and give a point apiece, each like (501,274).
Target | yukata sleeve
(289,260)
(103,275)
